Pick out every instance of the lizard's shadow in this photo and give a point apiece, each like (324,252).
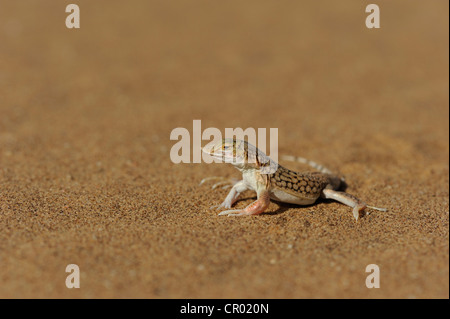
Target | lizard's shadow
(282,207)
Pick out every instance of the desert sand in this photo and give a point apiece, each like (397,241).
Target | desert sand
(86,177)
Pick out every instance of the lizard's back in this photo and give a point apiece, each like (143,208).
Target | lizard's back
(299,188)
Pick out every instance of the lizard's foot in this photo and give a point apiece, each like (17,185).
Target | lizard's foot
(222,181)
(357,210)
(255,208)
(377,208)
(232,196)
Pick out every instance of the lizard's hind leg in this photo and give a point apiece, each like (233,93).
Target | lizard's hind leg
(358,205)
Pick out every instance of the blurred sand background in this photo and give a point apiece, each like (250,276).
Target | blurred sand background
(85,173)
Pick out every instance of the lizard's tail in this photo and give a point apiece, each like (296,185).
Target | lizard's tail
(306,161)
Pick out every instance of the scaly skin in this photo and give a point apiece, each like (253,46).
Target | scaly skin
(306,185)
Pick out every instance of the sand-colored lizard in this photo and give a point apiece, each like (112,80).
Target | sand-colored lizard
(272,181)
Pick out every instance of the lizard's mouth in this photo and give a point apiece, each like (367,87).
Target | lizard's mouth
(224,155)
(216,153)
(212,151)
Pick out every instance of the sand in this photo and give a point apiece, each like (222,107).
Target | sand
(86,177)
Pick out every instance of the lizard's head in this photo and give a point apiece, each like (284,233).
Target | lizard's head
(229,150)
(240,153)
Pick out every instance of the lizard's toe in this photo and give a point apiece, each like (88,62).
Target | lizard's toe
(222,181)
(358,210)
(232,212)
(220,206)
(226,183)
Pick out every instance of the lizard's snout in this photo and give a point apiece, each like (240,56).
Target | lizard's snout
(208,149)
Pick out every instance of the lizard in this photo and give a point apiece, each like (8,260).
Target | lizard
(272,181)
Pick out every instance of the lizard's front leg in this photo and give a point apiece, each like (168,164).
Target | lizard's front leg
(233,195)
(257,207)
